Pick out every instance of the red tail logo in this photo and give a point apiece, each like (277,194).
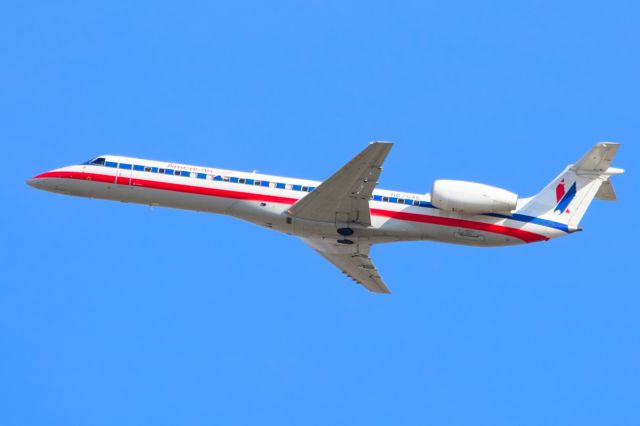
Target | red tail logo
(560,195)
(560,191)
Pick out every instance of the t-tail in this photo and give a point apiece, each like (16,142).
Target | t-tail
(568,196)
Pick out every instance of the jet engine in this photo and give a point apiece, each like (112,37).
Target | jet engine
(471,198)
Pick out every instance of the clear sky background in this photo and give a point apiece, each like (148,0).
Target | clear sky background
(118,314)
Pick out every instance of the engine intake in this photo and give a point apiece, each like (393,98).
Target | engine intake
(471,198)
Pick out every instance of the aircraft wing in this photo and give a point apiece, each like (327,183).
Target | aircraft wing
(344,197)
(353,260)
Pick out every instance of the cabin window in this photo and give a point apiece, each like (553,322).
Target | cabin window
(193,174)
(138,168)
(305,188)
(98,161)
(111,164)
(400,201)
(125,166)
(161,171)
(297,187)
(241,180)
(272,184)
(416,202)
(147,169)
(288,186)
(209,177)
(257,183)
(226,178)
(385,199)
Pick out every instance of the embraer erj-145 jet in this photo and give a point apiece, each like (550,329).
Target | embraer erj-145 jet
(342,217)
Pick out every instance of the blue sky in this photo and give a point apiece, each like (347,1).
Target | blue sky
(120,314)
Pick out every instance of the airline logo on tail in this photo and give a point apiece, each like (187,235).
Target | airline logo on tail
(564,198)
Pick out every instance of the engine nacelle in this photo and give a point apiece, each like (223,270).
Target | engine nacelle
(472,198)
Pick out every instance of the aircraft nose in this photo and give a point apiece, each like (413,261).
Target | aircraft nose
(38,181)
(35,182)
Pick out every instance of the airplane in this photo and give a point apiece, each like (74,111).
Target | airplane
(342,217)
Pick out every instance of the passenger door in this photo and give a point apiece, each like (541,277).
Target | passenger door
(123,174)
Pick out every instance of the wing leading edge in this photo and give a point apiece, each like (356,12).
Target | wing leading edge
(344,197)
(353,260)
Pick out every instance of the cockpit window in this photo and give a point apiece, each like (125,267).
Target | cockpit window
(97,161)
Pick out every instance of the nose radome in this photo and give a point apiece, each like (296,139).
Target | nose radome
(37,181)
(34,182)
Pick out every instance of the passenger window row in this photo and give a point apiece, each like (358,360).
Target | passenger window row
(246,181)
(205,176)
(405,201)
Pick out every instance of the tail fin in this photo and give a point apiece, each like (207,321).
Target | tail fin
(568,196)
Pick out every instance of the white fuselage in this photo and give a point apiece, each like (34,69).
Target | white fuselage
(265,200)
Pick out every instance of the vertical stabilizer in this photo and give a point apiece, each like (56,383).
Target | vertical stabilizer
(566,198)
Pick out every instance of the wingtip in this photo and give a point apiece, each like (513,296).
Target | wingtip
(381,289)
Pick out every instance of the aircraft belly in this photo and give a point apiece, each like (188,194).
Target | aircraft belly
(410,231)
(174,199)
(139,195)
(269,215)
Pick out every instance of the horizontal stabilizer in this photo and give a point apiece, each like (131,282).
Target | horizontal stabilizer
(606,192)
(598,159)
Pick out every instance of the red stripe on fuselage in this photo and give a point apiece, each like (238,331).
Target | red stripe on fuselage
(94,177)
(520,234)
(168,186)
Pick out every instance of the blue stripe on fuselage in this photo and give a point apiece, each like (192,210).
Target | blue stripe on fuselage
(520,217)
(531,219)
